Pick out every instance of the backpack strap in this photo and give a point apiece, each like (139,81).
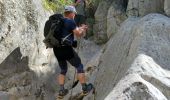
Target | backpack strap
(66,37)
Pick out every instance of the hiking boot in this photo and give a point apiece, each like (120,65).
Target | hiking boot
(62,93)
(87,88)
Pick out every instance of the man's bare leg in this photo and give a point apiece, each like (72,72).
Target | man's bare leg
(61,79)
(81,78)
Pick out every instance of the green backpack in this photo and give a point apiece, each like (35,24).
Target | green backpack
(53,31)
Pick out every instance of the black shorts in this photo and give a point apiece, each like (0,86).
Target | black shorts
(63,53)
(67,54)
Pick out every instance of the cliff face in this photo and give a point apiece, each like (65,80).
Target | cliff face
(22,25)
(131,64)
(21,49)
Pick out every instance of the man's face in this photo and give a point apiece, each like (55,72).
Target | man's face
(72,15)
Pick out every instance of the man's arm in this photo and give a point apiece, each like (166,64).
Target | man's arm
(80,31)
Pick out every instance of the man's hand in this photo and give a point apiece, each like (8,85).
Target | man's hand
(80,31)
(85,27)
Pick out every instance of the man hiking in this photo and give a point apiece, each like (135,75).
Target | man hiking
(80,8)
(66,53)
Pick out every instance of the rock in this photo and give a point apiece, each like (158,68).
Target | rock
(92,66)
(14,63)
(143,81)
(148,36)
(90,22)
(100,26)
(116,15)
(22,79)
(6,96)
(22,49)
(144,7)
(91,72)
(167,7)
(23,19)
(87,50)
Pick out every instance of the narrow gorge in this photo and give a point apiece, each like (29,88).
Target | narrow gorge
(126,53)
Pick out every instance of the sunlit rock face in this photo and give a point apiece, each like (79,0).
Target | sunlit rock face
(23,56)
(21,26)
(137,65)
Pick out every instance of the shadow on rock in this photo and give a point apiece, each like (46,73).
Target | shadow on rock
(14,63)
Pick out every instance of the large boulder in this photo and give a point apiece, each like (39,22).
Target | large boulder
(144,80)
(144,7)
(139,48)
(100,26)
(116,15)
(167,7)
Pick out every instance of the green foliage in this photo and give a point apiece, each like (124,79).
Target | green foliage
(56,5)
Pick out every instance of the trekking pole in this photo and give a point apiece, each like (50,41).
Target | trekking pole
(75,82)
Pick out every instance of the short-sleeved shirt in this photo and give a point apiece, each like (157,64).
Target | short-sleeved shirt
(69,26)
(66,52)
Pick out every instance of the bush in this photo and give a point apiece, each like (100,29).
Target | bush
(56,5)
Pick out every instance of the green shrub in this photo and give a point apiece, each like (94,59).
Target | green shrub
(56,5)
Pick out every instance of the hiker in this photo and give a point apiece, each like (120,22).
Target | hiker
(66,53)
(80,17)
